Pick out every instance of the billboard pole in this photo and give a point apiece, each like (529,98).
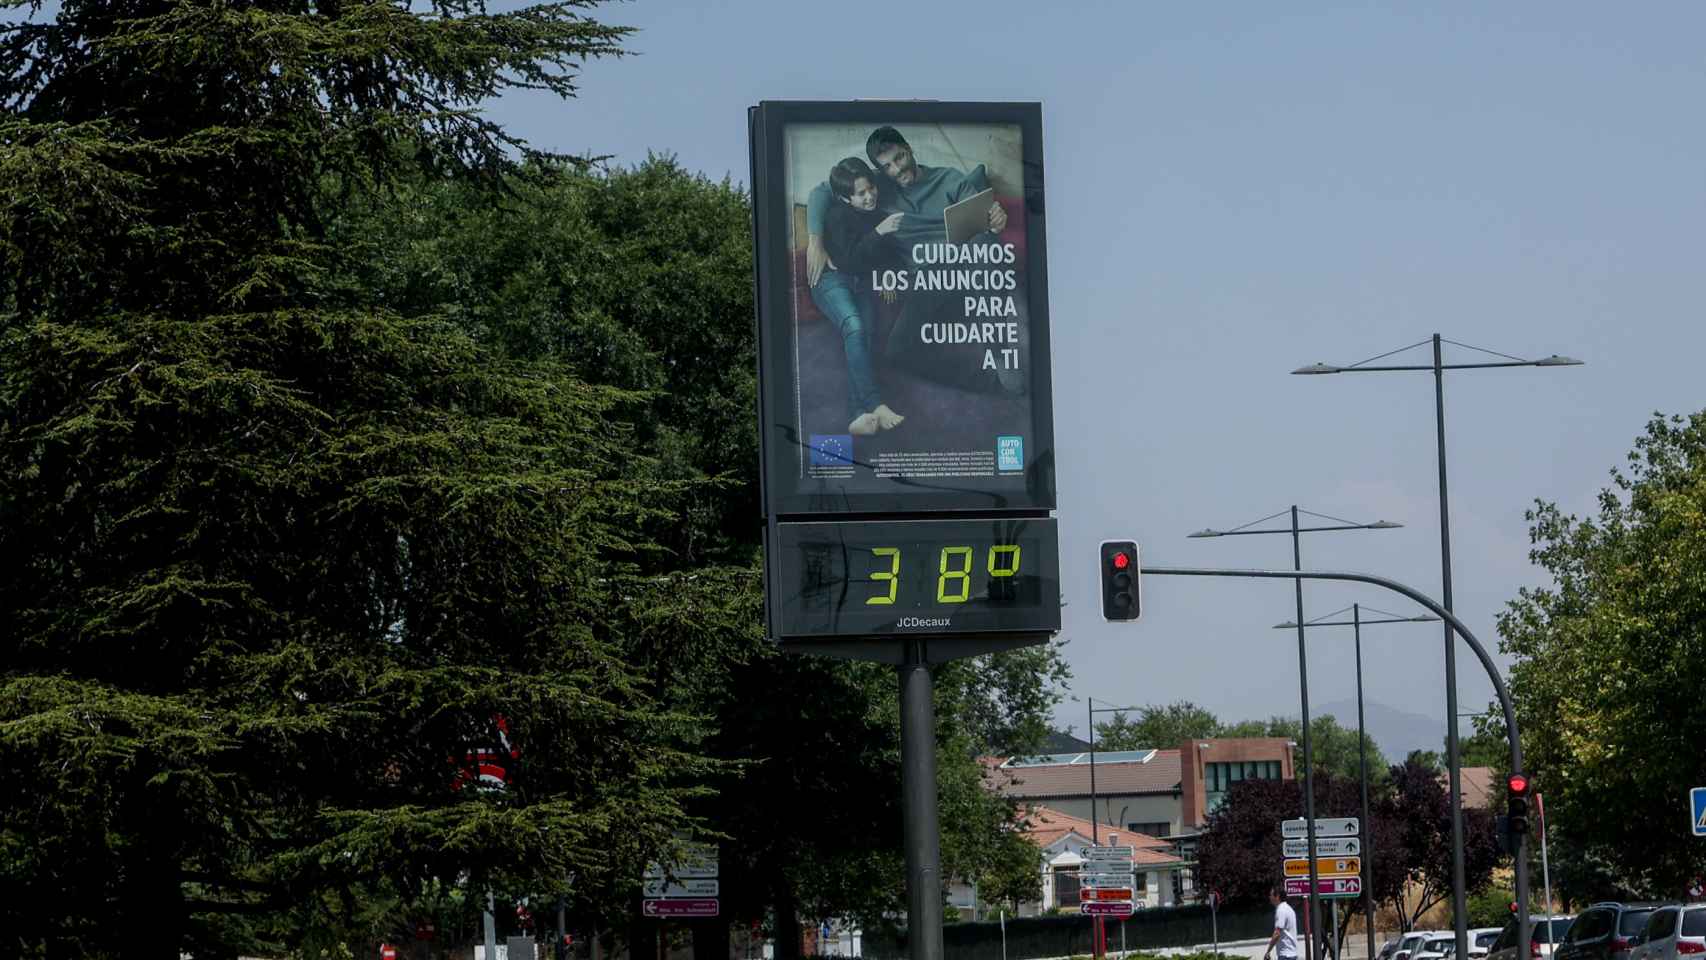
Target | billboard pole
(918,805)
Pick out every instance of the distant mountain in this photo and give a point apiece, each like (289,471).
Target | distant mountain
(1061,742)
(1396,731)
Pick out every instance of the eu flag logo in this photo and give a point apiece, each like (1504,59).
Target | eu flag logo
(832,449)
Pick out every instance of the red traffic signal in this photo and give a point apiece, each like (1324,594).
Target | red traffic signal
(1121,598)
(1518,784)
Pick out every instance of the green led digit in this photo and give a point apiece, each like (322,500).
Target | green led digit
(891,574)
(1009,550)
(963,575)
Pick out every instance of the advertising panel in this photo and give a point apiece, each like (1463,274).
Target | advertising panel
(903,310)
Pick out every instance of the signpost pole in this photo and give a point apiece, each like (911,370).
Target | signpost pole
(918,805)
(1367,824)
(1214,918)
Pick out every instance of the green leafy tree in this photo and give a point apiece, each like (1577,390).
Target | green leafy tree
(1609,661)
(276,551)
(1157,726)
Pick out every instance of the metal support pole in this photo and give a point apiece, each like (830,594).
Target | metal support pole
(1463,631)
(1362,770)
(1303,688)
(1459,896)
(918,805)
(1095,826)
(491,927)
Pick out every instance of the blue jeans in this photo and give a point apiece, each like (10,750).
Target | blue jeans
(853,312)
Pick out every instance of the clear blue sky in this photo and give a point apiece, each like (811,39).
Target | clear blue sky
(1239,189)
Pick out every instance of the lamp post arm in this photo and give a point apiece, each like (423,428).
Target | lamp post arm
(1396,587)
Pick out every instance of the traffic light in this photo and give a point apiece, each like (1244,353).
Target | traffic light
(1502,836)
(1121,599)
(1516,808)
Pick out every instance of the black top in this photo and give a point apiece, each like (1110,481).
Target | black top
(850,236)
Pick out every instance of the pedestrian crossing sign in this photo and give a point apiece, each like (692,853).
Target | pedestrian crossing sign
(1697,803)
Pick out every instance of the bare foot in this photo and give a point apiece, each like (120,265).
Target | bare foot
(863,425)
(886,418)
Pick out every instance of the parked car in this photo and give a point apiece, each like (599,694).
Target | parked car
(1436,946)
(1604,931)
(1481,940)
(1547,931)
(1674,932)
(1408,943)
(1388,948)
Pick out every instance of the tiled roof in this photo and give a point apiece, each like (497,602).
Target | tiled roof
(1046,825)
(1159,775)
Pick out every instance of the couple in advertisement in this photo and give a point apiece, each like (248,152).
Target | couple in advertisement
(884,228)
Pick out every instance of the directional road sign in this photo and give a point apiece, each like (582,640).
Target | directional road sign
(703,907)
(1324,827)
(1324,847)
(1100,881)
(1109,909)
(699,863)
(1325,867)
(1697,803)
(684,889)
(1333,887)
(1118,852)
(1112,893)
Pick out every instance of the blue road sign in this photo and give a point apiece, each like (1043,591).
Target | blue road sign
(1697,803)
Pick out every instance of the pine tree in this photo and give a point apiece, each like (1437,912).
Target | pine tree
(275,558)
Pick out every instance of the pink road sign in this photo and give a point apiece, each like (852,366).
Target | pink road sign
(1325,887)
(702,907)
(1106,909)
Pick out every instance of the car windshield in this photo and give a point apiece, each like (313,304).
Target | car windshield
(1486,939)
(1551,931)
(1632,922)
(1694,923)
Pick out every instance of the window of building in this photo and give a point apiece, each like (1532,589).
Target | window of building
(1156,828)
(1219,777)
(1065,887)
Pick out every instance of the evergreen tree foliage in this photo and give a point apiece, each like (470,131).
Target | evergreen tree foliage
(276,554)
(640,279)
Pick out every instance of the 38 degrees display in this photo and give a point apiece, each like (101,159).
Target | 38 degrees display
(874,578)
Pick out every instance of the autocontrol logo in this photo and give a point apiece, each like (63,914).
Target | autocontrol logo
(905,622)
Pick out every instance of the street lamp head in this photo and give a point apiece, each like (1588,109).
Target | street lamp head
(1289,624)
(1316,368)
(1424,618)
(1203,533)
(1384,525)
(1557,361)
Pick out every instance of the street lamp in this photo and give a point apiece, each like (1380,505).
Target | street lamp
(1460,919)
(1099,944)
(1296,531)
(1356,622)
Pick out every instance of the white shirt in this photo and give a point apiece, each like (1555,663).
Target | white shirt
(1285,921)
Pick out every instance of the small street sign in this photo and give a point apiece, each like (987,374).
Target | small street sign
(1327,887)
(705,907)
(1105,867)
(1324,827)
(1111,909)
(700,863)
(1325,867)
(1112,893)
(1097,881)
(1324,847)
(682,889)
(1697,804)
(1120,852)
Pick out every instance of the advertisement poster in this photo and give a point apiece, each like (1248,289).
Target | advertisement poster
(905,332)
